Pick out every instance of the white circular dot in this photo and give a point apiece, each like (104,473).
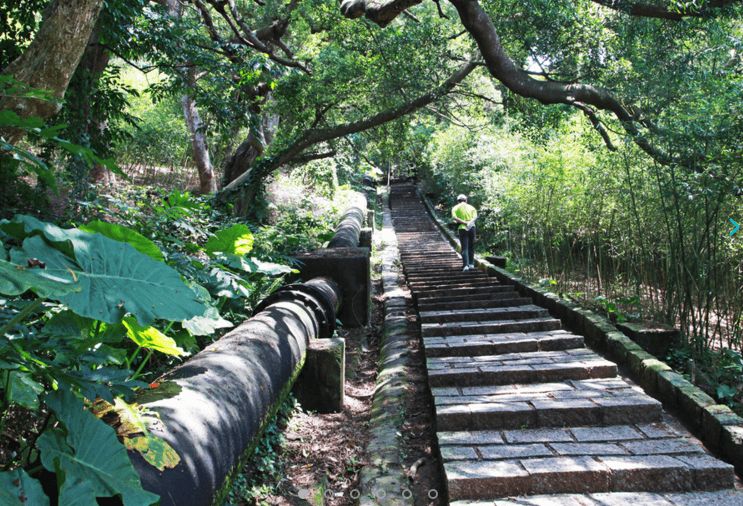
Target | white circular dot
(433,493)
(303,494)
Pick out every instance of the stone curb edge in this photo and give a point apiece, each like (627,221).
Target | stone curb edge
(715,424)
(384,480)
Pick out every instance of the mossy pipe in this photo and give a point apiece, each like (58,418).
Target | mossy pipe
(215,406)
(349,229)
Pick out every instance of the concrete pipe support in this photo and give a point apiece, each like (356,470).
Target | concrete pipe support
(215,407)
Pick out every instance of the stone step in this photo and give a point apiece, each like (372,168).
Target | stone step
(494,344)
(478,315)
(452,285)
(718,498)
(511,368)
(570,403)
(447,267)
(495,295)
(426,260)
(638,457)
(516,301)
(560,475)
(447,276)
(465,292)
(489,327)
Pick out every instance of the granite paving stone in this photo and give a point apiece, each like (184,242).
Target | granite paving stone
(476,480)
(629,499)
(537,436)
(657,430)
(662,447)
(476,437)
(504,452)
(652,473)
(613,433)
(588,449)
(722,498)
(709,473)
(566,475)
(449,453)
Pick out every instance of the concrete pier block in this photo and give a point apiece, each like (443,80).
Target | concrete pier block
(320,385)
(655,338)
(351,269)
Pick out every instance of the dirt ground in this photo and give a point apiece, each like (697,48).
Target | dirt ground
(324,454)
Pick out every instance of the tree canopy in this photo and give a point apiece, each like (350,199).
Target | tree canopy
(299,76)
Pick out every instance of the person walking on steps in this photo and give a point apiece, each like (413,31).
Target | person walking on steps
(465,215)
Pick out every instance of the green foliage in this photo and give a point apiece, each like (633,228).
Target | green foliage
(159,135)
(123,234)
(73,451)
(18,27)
(17,488)
(236,240)
(114,277)
(150,338)
(20,158)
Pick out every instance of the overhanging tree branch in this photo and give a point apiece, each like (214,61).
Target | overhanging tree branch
(255,176)
(650,10)
(318,135)
(481,27)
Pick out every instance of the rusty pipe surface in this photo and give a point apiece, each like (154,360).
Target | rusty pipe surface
(215,406)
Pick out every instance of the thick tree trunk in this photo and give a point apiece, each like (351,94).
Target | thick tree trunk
(94,61)
(207,182)
(199,144)
(51,59)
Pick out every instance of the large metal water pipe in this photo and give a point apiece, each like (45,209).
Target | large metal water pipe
(349,229)
(215,406)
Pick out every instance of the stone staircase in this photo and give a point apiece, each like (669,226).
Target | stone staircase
(524,409)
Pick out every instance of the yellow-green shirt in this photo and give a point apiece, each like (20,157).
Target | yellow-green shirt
(464,212)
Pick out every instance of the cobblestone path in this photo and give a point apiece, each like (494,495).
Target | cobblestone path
(525,413)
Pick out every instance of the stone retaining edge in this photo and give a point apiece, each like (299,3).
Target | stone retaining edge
(384,480)
(715,424)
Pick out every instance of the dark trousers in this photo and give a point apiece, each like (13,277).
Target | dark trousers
(467,240)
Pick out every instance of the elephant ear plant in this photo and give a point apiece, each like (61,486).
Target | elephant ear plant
(76,307)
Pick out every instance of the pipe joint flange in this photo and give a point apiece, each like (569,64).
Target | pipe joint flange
(328,320)
(312,298)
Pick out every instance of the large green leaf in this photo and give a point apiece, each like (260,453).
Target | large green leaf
(16,279)
(23,389)
(123,234)
(151,338)
(236,240)
(206,325)
(253,265)
(132,422)
(17,488)
(115,279)
(84,330)
(93,461)
(22,226)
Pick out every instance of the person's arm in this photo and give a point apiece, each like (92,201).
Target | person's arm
(472,221)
